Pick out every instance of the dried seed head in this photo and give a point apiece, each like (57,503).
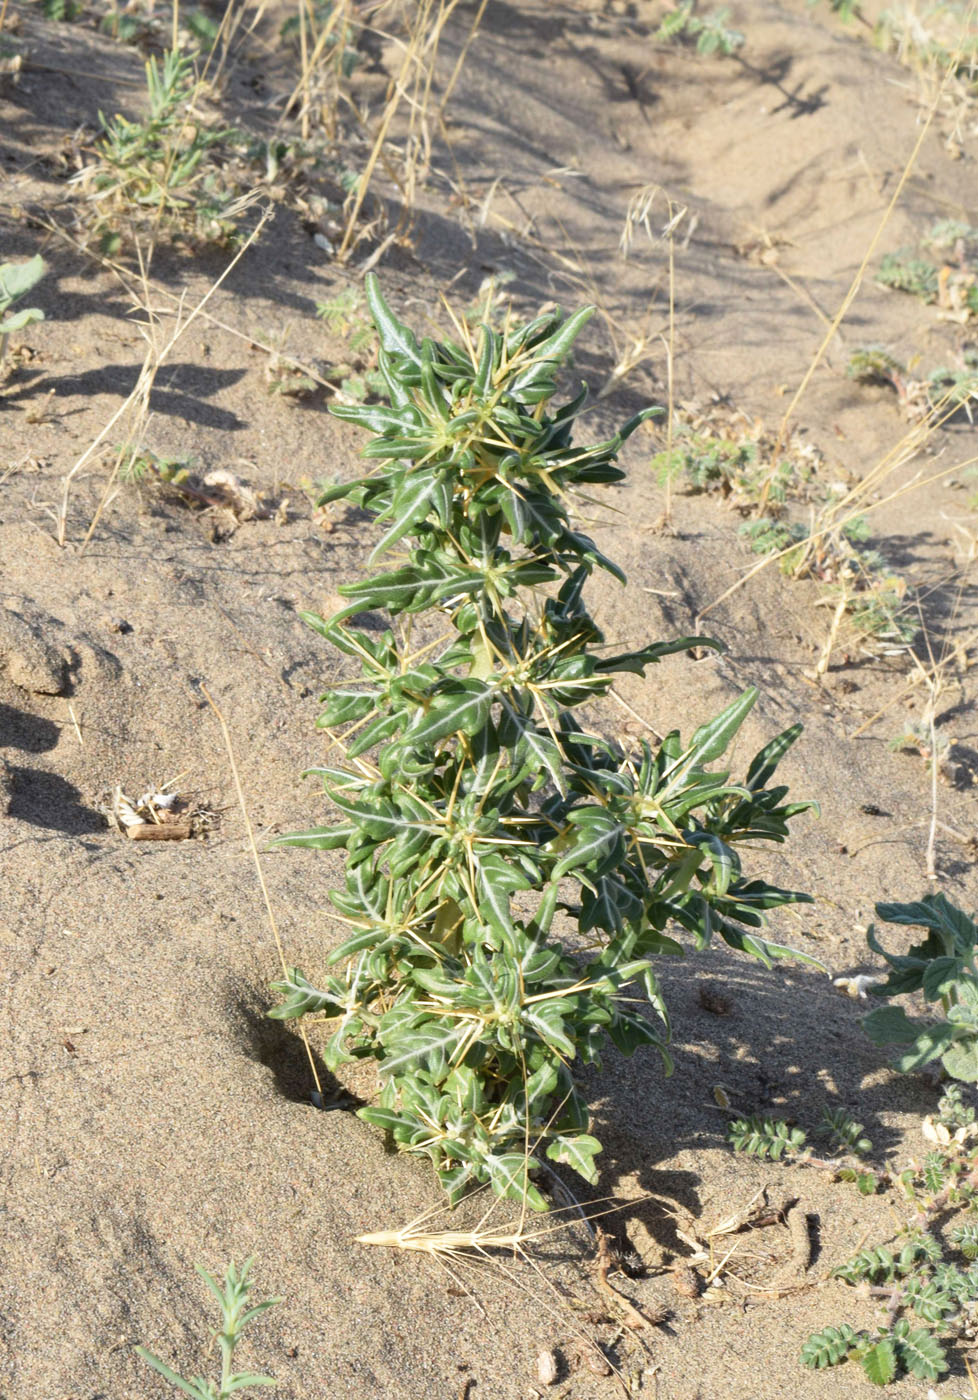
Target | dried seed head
(655,1313)
(686,1281)
(597,1362)
(714,1001)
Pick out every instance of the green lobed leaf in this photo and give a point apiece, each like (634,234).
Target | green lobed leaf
(828,1347)
(880,1362)
(922,1355)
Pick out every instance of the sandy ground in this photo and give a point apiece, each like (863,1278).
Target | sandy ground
(152,1117)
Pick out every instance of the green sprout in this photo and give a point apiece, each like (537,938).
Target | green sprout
(16,279)
(232,1299)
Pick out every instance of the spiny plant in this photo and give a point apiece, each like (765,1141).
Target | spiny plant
(16,279)
(509,874)
(943,967)
(232,1299)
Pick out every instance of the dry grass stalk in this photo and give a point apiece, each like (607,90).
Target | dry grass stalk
(137,401)
(412,86)
(822,665)
(512,1237)
(857,281)
(336,22)
(452,1249)
(638,214)
(231,22)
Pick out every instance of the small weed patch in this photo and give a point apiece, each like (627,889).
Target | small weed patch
(943,271)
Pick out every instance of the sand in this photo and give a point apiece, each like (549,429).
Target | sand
(152,1116)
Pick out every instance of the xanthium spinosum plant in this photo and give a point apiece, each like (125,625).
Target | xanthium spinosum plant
(509,874)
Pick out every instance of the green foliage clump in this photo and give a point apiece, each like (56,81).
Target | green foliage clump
(140,464)
(709,32)
(16,279)
(943,968)
(839,557)
(883,1355)
(906,273)
(708,463)
(930,1297)
(510,875)
(871,364)
(347,316)
(766,1137)
(944,269)
(161,172)
(232,1299)
(61,11)
(774,1139)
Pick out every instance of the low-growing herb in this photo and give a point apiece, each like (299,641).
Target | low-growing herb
(233,1300)
(943,270)
(926,1277)
(776,1140)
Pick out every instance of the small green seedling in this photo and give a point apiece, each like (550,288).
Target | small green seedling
(872,364)
(943,967)
(16,279)
(510,875)
(232,1299)
(847,10)
(775,1139)
(710,31)
(347,316)
(925,1278)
